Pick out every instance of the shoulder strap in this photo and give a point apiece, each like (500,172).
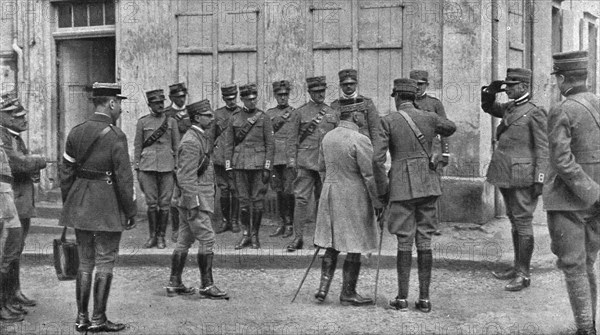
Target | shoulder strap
(250,122)
(157,133)
(312,126)
(415,129)
(89,149)
(590,108)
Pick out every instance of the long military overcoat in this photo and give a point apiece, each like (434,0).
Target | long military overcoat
(345,218)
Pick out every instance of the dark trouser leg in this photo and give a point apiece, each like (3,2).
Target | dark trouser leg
(100,322)
(152,223)
(256,221)
(245,241)
(510,273)
(282,206)
(350,278)
(235,214)
(163,222)
(403,264)
(425,263)
(83,288)
(13,247)
(522,279)
(289,228)
(304,185)
(327,271)
(6,315)
(208,289)
(258,189)
(176,286)
(174,224)
(225,213)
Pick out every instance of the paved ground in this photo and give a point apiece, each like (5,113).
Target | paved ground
(466,299)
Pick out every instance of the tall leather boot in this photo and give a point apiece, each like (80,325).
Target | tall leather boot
(522,280)
(208,289)
(281,205)
(235,214)
(100,322)
(403,264)
(350,279)
(163,222)
(256,220)
(593,290)
(175,286)
(425,263)
(289,228)
(5,314)
(174,224)
(327,271)
(226,215)
(152,222)
(10,286)
(578,288)
(245,241)
(83,288)
(299,222)
(510,273)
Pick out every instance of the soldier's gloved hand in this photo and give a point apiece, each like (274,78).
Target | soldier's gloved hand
(40,161)
(266,176)
(230,174)
(130,223)
(536,189)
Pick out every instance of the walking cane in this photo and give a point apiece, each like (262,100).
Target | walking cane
(306,273)
(380,222)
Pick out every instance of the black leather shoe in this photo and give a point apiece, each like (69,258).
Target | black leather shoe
(23,300)
(289,231)
(280,230)
(296,244)
(399,304)
(160,242)
(235,227)
(424,305)
(517,284)
(505,275)
(8,316)
(355,300)
(174,290)
(82,322)
(225,226)
(105,326)
(212,292)
(244,242)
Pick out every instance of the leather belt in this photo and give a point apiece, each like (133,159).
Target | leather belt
(6,179)
(106,176)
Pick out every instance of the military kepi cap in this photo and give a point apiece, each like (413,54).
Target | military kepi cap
(199,108)
(316,83)
(405,85)
(248,90)
(281,86)
(421,76)
(517,75)
(348,106)
(155,95)
(177,90)
(348,76)
(107,90)
(9,103)
(229,91)
(570,61)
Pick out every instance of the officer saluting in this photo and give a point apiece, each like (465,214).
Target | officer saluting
(518,165)
(249,150)
(195,178)
(283,177)
(98,201)
(155,154)
(230,204)
(311,122)
(572,190)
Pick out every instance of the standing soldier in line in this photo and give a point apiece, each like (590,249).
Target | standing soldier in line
(178,111)
(195,178)
(428,103)
(349,83)
(25,168)
(230,203)
(518,165)
(414,186)
(98,201)
(155,154)
(346,216)
(311,122)
(283,177)
(10,232)
(249,150)
(572,190)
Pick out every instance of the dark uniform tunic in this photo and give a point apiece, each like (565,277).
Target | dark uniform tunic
(250,156)
(96,208)
(156,163)
(10,227)
(430,104)
(413,187)
(520,158)
(181,117)
(224,182)
(372,127)
(281,118)
(304,155)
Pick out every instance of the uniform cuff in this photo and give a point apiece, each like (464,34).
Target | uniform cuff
(267,165)
(228,165)
(540,178)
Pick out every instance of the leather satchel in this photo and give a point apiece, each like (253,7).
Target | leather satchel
(66,257)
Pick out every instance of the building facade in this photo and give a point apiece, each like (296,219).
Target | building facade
(51,51)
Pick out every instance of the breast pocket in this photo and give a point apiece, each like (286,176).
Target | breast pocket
(521,171)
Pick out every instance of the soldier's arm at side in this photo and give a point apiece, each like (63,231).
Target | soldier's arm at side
(175,138)
(563,160)
(187,174)
(67,169)
(123,175)
(269,142)
(538,127)
(291,148)
(443,126)
(374,121)
(137,144)
(19,162)
(228,144)
(380,156)
(364,159)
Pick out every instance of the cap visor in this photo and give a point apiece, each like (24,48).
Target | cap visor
(348,81)
(422,81)
(511,82)
(229,97)
(280,91)
(178,94)
(121,96)
(317,89)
